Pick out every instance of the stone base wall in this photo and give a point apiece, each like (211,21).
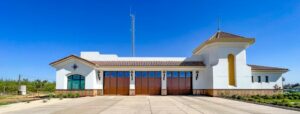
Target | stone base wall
(229,92)
(132,92)
(164,92)
(86,92)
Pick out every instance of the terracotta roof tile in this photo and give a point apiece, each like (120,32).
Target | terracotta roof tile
(226,35)
(149,63)
(258,67)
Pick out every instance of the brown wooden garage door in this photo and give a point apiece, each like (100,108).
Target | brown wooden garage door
(179,82)
(116,82)
(147,83)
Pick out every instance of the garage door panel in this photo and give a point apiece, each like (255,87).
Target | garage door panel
(148,83)
(106,84)
(144,83)
(138,83)
(179,83)
(116,82)
(113,84)
(188,83)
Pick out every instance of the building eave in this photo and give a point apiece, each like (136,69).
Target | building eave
(250,41)
(53,64)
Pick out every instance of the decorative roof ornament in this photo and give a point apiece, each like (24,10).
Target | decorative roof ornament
(74,66)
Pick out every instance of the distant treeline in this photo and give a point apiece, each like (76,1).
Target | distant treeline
(12,86)
(290,86)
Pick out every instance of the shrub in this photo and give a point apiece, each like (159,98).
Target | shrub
(297,103)
(264,96)
(291,97)
(77,95)
(280,96)
(50,96)
(256,96)
(285,101)
(59,95)
(275,102)
(65,96)
(261,100)
(280,103)
(250,99)
(240,97)
(289,104)
(274,96)
(234,96)
(258,100)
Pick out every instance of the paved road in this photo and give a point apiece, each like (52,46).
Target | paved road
(146,105)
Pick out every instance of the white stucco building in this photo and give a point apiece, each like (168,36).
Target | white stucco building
(216,67)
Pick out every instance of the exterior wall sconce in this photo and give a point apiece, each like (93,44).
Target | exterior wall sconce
(164,75)
(98,74)
(197,75)
(131,75)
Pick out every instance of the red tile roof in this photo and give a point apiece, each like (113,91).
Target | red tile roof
(258,67)
(226,35)
(149,63)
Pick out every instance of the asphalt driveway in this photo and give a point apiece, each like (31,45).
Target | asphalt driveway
(142,105)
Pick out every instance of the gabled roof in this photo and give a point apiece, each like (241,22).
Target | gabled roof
(266,68)
(149,63)
(72,57)
(224,37)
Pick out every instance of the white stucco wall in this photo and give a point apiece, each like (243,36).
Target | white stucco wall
(63,70)
(214,75)
(215,57)
(203,81)
(275,78)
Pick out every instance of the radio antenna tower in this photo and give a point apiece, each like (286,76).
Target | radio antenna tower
(132,32)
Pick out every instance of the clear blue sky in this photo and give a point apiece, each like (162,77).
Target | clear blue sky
(35,33)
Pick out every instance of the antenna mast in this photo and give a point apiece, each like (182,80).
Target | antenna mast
(219,22)
(132,32)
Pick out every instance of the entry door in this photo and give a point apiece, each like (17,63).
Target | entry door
(179,83)
(147,82)
(116,83)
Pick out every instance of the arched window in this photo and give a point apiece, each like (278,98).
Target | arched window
(76,82)
(231,70)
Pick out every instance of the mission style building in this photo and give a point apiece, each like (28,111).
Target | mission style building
(216,67)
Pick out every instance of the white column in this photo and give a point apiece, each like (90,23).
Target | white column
(132,83)
(163,82)
(194,79)
(101,74)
